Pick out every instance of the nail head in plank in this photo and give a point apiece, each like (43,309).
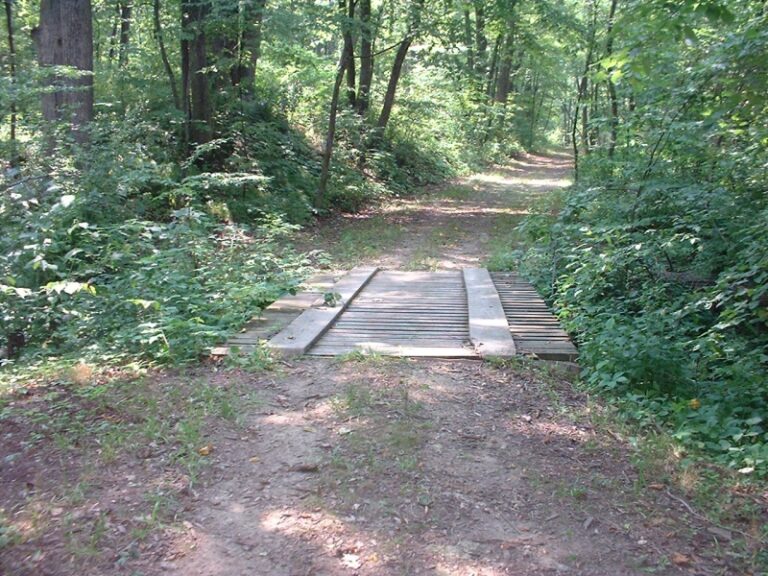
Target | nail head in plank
(488,328)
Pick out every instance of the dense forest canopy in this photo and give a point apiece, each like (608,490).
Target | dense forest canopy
(158,155)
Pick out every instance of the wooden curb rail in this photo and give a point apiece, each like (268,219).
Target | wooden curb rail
(488,328)
(305,330)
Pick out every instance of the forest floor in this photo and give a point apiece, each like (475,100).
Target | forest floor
(357,465)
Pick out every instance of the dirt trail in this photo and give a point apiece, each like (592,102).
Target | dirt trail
(352,466)
(399,467)
(451,226)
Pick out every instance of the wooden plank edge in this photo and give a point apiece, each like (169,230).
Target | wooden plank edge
(488,327)
(296,338)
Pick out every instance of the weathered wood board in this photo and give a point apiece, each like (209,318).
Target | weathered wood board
(534,328)
(278,315)
(449,314)
(404,314)
(488,328)
(304,331)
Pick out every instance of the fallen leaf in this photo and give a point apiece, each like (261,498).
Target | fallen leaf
(205,450)
(351,561)
(679,559)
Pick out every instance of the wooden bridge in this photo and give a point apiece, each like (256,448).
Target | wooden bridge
(448,314)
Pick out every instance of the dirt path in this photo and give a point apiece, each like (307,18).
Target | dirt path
(452,226)
(355,466)
(397,467)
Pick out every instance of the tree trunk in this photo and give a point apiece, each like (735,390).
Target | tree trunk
(197,96)
(397,66)
(394,78)
(349,48)
(330,136)
(491,86)
(65,38)
(12,75)
(251,16)
(481,41)
(501,93)
(469,42)
(582,85)
(158,31)
(126,10)
(505,60)
(366,58)
(611,86)
(244,47)
(113,37)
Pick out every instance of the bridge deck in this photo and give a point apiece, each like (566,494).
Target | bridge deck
(448,314)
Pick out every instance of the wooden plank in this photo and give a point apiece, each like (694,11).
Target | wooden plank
(488,328)
(534,328)
(417,314)
(305,330)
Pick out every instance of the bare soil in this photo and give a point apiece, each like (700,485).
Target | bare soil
(367,466)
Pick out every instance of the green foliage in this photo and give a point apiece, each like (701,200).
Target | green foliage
(125,259)
(657,262)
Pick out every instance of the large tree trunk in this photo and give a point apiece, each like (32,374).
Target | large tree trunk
(501,94)
(366,57)
(245,47)
(197,97)
(65,38)
(252,16)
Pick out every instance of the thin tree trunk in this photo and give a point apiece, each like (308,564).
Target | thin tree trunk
(114,35)
(65,38)
(534,97)
(349,48)
(366,58)
(481,40)
(611,86)
(397,66)
(12,73)
(581,94)
(158,31)
(126,11)
(331,134)
(491,87)
(469,42)
(394,78)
